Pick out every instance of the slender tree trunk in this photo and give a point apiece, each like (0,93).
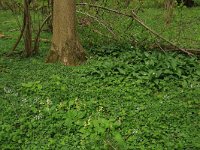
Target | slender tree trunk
(65,47)
(169,6)
(27,30)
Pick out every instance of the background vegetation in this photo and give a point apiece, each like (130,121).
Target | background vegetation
(129,95)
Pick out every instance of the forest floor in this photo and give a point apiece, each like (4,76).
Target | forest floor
(122,98)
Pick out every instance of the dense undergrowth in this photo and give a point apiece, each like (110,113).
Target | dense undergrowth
(123,98)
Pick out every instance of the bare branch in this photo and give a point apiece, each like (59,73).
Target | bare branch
(99,21)
(137,19)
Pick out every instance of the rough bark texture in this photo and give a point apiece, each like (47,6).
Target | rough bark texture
(66,47)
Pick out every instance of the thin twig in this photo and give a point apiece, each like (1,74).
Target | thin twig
(100,22)
(105,8)
(21,34)
(36,44)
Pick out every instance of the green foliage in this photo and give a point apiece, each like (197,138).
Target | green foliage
(132,100)
(146,68)
(197,2)
(124,97)
(154,3)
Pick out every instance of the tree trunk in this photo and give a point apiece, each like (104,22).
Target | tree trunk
(65,47)
(27,30)
(169,6)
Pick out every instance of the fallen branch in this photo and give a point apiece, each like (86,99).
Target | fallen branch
(137,19)
(170,48)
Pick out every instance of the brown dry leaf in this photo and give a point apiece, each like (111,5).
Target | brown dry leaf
(1,35)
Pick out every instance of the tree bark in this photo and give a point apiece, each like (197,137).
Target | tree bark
(169,6)
(27,30)
(66,46)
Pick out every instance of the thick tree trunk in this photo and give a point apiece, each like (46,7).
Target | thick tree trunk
(66,47)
